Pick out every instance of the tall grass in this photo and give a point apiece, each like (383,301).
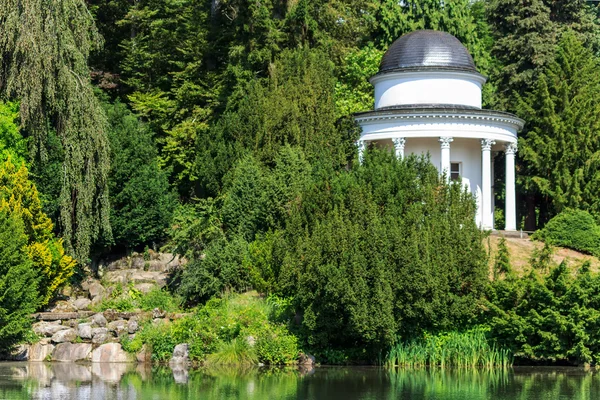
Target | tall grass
(470,349)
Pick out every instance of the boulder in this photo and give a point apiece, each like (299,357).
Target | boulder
(144,287)
(181,354)
(85,330)
(40,351)
(144,355)
(82,303)
(69,352)
(63,306)
(111,352)
(47,328)
(99,320)
(95,289)
(66,335)
(72,323)
(306,359)
(118,327)
(101,338)
(132,326)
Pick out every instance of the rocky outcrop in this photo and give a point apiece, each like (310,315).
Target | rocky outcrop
(181,355)
(70,352)
(111,352)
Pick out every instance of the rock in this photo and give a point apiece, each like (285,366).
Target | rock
(181,354)
(95,289)
(158,313)
(118,327)
(306,359)
(68,352)
(72,323)
(111,315)
(40,351)
(101,338)
(145,287)
(132,326)
(82,303)
(144,356)
(250,340)
(85,331)
(111,352)
(96,300)
(47,329)
(66,335)
(63,306)
(99,320)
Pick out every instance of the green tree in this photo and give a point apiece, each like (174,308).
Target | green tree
(18,282)
(526,35)
(142,203)
(44,49)
(559,149)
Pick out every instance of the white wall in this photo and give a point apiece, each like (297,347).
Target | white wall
(431,87)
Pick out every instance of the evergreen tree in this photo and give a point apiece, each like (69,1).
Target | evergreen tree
(559,149)
(44,49)
(142,203)
(526,35)
(18,282)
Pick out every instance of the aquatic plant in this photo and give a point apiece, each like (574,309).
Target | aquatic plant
(469,349)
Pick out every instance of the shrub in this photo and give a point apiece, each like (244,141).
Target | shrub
(19,197)
(574,229)
(275,345)
(545,319)
(18,282)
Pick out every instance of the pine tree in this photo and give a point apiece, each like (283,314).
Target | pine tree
(44,49)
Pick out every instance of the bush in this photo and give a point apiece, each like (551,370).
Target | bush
(547,319)
(19,197)
(574,229)
(18,282)
(275,345)
(131,299)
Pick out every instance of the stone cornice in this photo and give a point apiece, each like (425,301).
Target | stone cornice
(440,113)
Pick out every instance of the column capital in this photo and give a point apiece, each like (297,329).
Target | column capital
(486,144)
(511,148)
(445,141)
(399,143)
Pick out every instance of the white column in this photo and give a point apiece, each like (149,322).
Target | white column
(361,144)
(486,184)
(445,156)
(510,211)
(399,147)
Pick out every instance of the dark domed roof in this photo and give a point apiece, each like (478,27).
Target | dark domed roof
(427,49)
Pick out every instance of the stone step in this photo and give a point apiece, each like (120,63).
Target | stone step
(56,316)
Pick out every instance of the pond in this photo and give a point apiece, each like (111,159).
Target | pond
(128,382)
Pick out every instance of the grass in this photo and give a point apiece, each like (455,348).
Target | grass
(463,350)
(521,251)
(235,352)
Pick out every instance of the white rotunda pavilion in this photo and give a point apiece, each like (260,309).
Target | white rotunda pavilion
(428,100)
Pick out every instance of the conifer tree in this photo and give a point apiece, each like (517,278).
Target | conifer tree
(44,49)
(560,149)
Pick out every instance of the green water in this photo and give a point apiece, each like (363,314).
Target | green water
(128,382)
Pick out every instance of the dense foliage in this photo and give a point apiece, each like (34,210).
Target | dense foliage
(574,229)
(547,318)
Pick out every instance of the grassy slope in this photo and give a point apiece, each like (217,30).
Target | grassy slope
(521,251)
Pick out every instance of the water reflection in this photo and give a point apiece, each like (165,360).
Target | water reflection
(129,382)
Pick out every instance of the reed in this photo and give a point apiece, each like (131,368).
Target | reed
(464,350)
